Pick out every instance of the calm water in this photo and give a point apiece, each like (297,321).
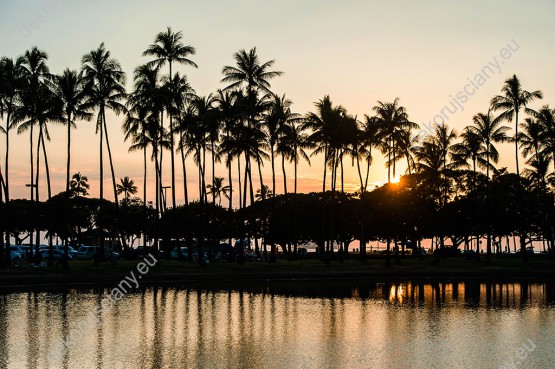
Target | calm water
(319,326)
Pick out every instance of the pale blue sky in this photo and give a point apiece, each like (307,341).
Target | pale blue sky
(356,51)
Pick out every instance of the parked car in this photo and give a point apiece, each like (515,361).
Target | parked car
(60,248)
(184,253)
(143,251)
(15,256)
(88,252)
(57,255)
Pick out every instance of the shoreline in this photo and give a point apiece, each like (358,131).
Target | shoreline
(17,282)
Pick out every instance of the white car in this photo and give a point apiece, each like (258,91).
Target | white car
(59,248)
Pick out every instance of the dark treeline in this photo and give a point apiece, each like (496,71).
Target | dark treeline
(452,187)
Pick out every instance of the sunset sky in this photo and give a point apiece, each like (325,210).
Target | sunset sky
(426,53)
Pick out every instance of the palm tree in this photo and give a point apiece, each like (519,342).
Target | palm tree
(292,144)
(147,103)
(79,186)
(277,116)
(34,72)
(126,186)
(369,139)
(250,73)
(168,48)
(229,111)
(392,120)
(37,107)
(490,131)
(538,174)
(470,148)
(10,82)
(69,88)
(514,99)
(546,118)
(263,193)
(217,189)
(104,85)
(180,94)
(530,137)
(324,124)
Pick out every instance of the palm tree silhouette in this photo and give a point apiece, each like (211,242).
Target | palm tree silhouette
(276,117)
(324,124)
(292,145)
(392,120)
(127,187)
(514,99)
(369,139)
(263,193)
(217,189)
(470,148)
(546,118)
(104,85)
(490,131)
(254,76)
(180,94)
(69,87)
(79,186)
(11,81)
(168,48)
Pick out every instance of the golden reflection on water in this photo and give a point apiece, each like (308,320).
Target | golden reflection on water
(324,326)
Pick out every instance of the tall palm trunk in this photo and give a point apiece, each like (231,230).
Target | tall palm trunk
(325,168)
(6,178)
(172,146)
(296,165)
(516,143)
(284,175)
(7,158)
(359,173)
(68,150)
(144,176)
(46,165)
(213,171)
(99,122)
(272,160)
(239,180)
(185,192)
(111,162)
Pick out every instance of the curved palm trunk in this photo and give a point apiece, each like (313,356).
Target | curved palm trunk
(37,177)
(172,146)
(359,173)
(185,192)
(46,165)
(111,163)
(68,151)
(272,161)
(144,176)
(7,158)
(284,174)
(239,180)
(367,175)
(213,156)
(516,143)
(342,172)
(325,169)
(157,193)
(6,179)
(99,121)
(172,162)
(296,164)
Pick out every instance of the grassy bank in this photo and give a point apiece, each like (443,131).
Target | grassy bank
(183,273)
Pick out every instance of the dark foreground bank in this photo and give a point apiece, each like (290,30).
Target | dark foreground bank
(85,273)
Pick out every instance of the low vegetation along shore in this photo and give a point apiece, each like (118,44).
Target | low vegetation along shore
(175,273)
